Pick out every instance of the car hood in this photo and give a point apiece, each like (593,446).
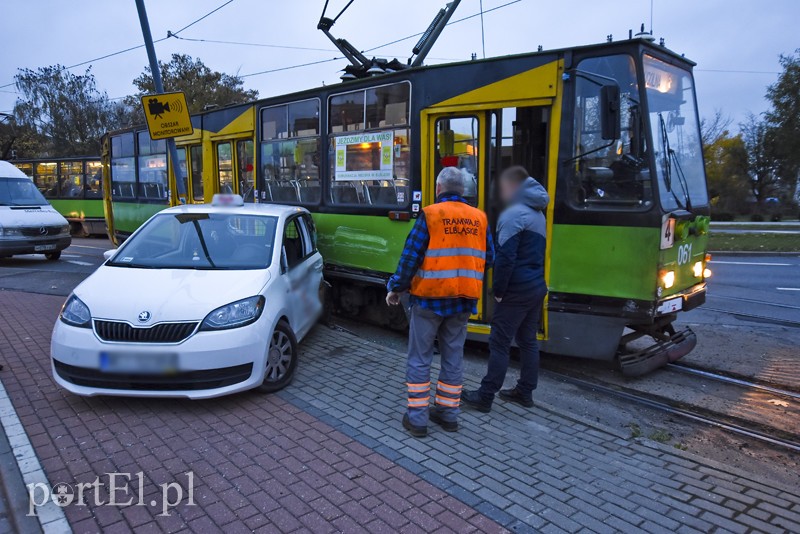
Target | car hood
(31,216)
(122,293)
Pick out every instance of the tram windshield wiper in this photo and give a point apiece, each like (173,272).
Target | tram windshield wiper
(670,159)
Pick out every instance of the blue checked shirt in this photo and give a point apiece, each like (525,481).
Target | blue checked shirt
(411,259)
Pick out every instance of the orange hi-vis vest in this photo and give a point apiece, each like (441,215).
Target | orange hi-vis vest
(456,256)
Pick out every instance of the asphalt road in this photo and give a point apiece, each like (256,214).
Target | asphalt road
(763,289)
(35,274)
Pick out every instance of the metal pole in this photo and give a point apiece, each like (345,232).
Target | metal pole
(156,72)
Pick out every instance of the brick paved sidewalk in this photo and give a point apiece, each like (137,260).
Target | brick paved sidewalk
(540,470)
(259,463)
(328,454)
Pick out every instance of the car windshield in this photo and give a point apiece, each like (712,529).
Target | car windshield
(20,192)
(210,241)
(676,135)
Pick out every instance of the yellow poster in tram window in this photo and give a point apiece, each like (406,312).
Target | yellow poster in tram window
(386,156)
(340,161)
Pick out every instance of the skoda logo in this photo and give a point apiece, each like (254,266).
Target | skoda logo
(144,316)
(42,231)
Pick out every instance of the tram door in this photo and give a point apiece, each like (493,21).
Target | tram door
(457,141)
(235,168)
(191,166)
(481,145)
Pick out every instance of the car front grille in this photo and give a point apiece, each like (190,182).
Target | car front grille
(160,333)
(181,381)
(40,231)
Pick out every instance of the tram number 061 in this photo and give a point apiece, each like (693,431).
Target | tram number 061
(684,254)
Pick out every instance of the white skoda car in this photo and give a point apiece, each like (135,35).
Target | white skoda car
(201,301)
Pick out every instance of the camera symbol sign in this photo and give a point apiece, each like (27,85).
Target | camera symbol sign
(167,115)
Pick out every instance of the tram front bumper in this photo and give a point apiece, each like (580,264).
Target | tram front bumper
(686,300)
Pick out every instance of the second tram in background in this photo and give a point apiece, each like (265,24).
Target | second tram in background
(74,187)
(611,130)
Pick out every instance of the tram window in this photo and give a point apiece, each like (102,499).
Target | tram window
(196,153)
(184,171)
(225,168)
(153,181)
(26,168)
(93,182)
(122,146)
(609,174)
(290,157)
(244,169)
(71,179)
(388,105)
(347,112)
(46,179)
(458,145)
(371,169)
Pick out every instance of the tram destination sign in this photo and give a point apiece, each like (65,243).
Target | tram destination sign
(167,115)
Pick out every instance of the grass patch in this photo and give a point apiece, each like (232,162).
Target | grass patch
(754,242)
(661,436)
(636,430)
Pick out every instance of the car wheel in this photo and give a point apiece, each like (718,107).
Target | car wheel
(53,256)
(281,359)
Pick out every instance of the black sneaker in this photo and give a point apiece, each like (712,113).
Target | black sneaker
(447,426)
(512,395)
(473,399)
(416,431)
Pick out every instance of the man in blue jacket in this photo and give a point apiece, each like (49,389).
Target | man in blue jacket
(519,289)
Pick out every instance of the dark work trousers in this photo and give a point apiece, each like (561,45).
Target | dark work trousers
(515,318)
(425,326)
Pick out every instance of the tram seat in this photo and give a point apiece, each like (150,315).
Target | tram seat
(284,193)
(345,194)
(382,196)
(310,194)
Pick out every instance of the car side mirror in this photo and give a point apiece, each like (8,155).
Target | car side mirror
(610,119)
(108,254)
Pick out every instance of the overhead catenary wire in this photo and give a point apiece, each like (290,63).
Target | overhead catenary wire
(118,52)
(279,69)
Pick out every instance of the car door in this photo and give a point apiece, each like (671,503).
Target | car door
(302,266)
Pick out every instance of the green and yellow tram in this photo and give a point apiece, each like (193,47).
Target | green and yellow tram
(74,187)
(611,130)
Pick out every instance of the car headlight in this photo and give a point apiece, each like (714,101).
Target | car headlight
(76,313)
(236,314)
(11,232)
(65,229)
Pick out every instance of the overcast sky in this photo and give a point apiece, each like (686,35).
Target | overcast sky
(720,35)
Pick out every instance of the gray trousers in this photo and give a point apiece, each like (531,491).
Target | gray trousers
(424,327)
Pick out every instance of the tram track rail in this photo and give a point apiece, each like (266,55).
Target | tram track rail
(755,317)
(776,389)
(696,414)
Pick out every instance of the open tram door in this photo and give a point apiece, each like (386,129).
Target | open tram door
(486,131)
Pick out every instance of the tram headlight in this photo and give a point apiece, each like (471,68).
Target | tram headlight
(706,273)
(668,279)
(698,269)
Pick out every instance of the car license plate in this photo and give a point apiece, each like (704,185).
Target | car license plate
(138,363)
(671,305)
(40,248)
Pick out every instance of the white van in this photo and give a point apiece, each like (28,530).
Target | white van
(28,224)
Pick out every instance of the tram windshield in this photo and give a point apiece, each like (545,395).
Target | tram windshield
(675,132)
(609,174)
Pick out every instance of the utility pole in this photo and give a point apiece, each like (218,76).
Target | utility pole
(156,72)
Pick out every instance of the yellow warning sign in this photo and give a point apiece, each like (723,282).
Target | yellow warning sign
(167,115)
